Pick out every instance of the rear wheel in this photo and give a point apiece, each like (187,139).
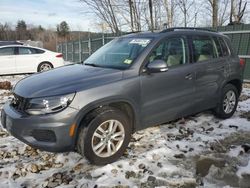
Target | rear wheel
(106,136)
(45,66)
(228,102)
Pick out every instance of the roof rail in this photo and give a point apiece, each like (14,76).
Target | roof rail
(131,32)
(186,28)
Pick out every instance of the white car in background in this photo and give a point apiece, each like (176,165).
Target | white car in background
(16,59)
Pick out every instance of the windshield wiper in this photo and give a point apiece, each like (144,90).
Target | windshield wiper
(91,64)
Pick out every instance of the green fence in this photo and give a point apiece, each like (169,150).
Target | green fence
(76,51)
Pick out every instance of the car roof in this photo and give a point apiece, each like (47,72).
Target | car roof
(12,45)
(19,45)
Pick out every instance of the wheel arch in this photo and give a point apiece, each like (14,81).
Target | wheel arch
(235,82)
(124,105)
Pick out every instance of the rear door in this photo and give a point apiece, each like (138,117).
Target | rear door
(211,69)
(7,60)
(27,60)
(168,95)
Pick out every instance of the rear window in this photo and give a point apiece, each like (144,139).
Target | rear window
(225,51)
(6,51)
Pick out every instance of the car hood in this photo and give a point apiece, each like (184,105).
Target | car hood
(64,80)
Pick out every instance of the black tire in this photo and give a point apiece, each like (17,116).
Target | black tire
(41,65)
(94,120)
(219,110)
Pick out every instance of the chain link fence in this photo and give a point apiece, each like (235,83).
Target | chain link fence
(77,51)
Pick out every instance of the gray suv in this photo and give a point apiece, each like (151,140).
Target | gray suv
(131,83)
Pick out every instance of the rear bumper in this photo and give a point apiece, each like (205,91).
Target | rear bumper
(46,132)
(58,62)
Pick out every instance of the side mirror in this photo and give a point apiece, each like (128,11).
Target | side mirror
(157,66)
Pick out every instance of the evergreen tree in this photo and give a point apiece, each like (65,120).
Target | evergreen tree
(63,29)
(21,30)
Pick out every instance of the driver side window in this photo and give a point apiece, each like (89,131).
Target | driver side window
(173,51)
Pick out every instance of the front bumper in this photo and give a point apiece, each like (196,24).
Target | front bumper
(46,132)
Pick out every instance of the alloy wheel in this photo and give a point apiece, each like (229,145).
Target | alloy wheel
(45,67)
(229,102)
(108,138)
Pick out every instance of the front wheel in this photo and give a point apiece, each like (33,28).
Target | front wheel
(228,102)
(106,136)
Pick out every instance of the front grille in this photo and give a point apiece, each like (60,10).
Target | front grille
(19,103)
(44,135)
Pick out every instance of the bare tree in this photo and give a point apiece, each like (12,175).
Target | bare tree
(104,10)
(135,17)
(130,2)
(185,6)
(150,5)
(214,7)
(170,6)
(237,11)
(6,33)
(223,12)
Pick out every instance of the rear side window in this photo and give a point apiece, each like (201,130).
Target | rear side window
(6,51)
(203,48)
(225,51)
(38,51)
(26,51)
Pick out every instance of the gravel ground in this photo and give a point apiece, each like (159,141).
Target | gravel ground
(198,151)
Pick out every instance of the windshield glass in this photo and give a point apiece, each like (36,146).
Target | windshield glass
(119,53)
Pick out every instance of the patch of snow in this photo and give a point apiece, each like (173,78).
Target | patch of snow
(244,170)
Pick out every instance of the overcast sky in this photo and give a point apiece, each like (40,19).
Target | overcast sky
(47,13)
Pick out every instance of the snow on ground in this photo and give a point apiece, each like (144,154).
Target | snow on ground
(198,151)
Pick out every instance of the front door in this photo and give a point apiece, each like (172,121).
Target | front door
(168,95)
(7,60)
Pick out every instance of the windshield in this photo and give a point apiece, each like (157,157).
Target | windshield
(119,53)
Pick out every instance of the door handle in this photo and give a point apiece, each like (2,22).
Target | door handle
(189,77)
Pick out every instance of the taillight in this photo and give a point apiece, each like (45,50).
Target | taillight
(59,55)
(242,63)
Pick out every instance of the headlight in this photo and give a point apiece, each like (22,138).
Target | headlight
(46,105)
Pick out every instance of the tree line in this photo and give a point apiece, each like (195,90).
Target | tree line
(22,32)
(118,16)
(138,15)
